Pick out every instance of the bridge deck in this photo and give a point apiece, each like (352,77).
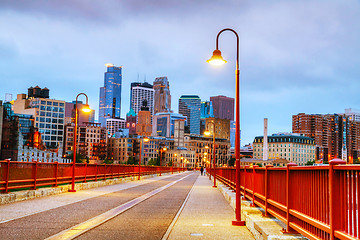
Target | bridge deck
(179,206)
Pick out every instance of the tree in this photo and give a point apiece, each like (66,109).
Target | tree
(309,163)
(131,161)
(231,162)
(108,161)
(154,162)
(80,158)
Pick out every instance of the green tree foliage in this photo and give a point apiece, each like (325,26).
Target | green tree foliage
(108,161)
(132,161)
(79,158)
(231,162)
(154,162)
(310,163)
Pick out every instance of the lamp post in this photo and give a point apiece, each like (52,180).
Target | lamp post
(217,59)
(163,149)
(84,109)
(207,133)
(140,154)
(207,147)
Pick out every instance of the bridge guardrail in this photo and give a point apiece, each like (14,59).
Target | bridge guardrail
(32,175)
(319,202)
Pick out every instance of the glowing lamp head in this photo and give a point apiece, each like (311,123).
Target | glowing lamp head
(86,108)
(207,133)
(164,149)
(206,146)
(216,58)
(146,139)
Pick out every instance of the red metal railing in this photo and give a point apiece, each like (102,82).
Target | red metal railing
(320,202)
(24,175)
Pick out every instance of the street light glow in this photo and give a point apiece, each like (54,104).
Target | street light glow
(207,133)
(86,108)
(216,58)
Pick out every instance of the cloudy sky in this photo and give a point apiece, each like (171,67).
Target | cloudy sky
(296,56)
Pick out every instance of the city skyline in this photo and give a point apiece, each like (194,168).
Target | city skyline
(295,56)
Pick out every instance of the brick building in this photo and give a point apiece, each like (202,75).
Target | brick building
(335,135)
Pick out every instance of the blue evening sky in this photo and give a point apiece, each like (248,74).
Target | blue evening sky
(296,56)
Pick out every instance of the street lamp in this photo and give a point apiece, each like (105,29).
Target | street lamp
(140,154)
(86,109)
(217,59)
(163,149)
(207,133)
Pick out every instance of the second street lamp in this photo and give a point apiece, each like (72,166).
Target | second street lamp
(217,59)
(162,150)
(86,109)
(140,154)
(207,133)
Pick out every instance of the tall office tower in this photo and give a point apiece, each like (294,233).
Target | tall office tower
(206,110)
(82,116)
(49,115)
(189,106)
(232,133)
(223,107)
(140,92)
(354,114)
(335,135)
(110,94)
(115,125)
(143,126)
(162,97)
(164,124)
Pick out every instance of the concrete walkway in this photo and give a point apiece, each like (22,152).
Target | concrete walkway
(206,215)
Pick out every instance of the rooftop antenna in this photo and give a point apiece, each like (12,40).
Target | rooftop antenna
(145,78)
(138,77)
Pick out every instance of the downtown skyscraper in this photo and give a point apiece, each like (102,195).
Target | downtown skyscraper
(223,107)
(189,106)
(140,92)
(110,94)
(162,97)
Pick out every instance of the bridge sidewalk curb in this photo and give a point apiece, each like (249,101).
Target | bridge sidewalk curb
(6,198)
(263,228)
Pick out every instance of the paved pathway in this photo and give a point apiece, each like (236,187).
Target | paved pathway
(207,215)
(167,207)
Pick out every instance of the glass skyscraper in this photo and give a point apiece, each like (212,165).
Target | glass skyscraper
(189,106)
(110,94)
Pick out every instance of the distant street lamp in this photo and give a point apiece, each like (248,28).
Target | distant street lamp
(217,59)
(140,154)
(207,133)
(86,109)
(163,149)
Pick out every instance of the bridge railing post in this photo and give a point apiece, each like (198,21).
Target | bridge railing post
(34,173)
(85,172)
(334,194)
(288,199)
(266,184)
(7,176)
(56,173)
(96,168)
(253,184)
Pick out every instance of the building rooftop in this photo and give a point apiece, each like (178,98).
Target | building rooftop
(189,97)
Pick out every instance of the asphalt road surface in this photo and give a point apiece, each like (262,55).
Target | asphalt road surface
(142,212)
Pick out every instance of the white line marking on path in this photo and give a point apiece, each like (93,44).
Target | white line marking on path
(83,227)
(171,226)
